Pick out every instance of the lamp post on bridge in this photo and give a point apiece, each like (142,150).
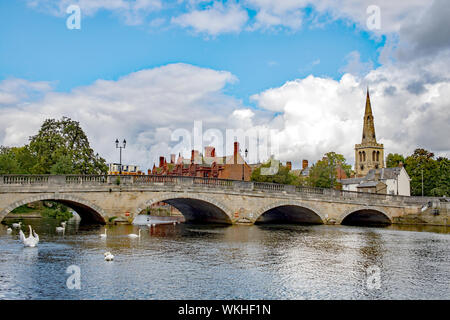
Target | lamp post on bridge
(243,165)
(120,148)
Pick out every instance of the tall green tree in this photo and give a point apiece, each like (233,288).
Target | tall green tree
(323,174)
(8,162)
(63,142)
(442,187)
(393,160)
(282,175)
(422,162)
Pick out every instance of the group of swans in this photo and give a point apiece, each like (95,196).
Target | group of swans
(131,235)
(32,240)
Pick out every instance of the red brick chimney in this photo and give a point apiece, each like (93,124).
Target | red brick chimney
(304,164)
(209,152)
(289,165)
(235,151)
(400,164)
(161,162)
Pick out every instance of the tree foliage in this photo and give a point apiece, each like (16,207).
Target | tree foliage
(283,175)
(323,174)
(60,147)
(393,160)
(436,173)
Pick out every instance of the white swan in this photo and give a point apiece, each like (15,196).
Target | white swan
(109,256)
(60,229)
(63,224)
(9,230)
(31,241)
(133,235)
(103,235)
(16,225)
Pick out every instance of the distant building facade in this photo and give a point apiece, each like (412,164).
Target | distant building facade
(127,169)
(368,154)
(394,181)
(209,165)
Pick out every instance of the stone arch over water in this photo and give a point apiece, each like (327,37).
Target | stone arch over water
(194,207)
(365,216)
(89,212)
(289,212)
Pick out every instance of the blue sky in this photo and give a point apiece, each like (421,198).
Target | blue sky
(38,47)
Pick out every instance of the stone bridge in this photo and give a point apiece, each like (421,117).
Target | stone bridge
(101,199)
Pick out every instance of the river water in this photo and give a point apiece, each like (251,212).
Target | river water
(228,262)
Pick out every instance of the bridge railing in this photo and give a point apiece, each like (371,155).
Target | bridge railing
(183,181)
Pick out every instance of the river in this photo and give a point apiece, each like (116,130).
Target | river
(186,261)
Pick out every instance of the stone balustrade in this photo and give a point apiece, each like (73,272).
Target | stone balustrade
(156,180)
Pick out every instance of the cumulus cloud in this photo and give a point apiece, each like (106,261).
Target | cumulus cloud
(316,115)
(143,107)
(214,20)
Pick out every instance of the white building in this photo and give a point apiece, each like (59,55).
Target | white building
(396,181)
(114,168)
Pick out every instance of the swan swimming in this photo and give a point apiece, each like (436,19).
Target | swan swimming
(103,235)
(32,240)
(133,235)
(108,256)
(60,229)
(17,225)
(9,230)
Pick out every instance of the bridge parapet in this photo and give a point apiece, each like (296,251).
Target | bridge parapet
(77,181)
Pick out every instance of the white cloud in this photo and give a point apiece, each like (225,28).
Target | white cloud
(215,19)
(317,115)
(141,107)
(355,66)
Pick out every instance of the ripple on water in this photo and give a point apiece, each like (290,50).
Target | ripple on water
(221,262)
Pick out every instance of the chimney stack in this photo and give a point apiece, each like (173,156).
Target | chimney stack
(289,165)
(161,162)
(235,152)
(209,152)
(172,158)
(304,164)
(400,164)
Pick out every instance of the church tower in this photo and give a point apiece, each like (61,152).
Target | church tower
(369,154)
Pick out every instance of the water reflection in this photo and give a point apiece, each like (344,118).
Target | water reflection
(225,262)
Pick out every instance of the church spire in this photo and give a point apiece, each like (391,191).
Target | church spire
(369,128)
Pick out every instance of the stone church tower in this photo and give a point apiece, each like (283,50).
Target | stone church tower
(369,154)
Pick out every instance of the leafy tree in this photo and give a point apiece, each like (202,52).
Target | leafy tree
(443,179)
(8,162)
(60,142)
(323,174)
(62,166)
(422,161)
(283,175)
(393,160)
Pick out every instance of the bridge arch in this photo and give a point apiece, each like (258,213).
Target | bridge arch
(289,212)
(88,211)
(194,207)
(364,215)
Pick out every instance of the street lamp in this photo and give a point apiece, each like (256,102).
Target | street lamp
(120,148)
(243,165)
